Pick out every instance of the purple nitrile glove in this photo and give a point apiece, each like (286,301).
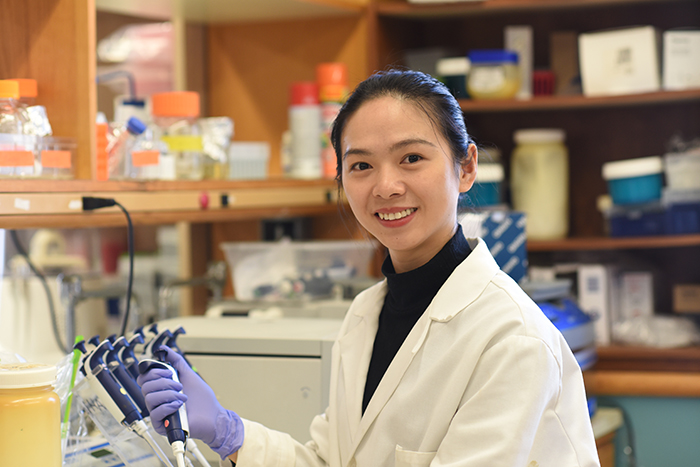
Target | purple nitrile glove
(220,429)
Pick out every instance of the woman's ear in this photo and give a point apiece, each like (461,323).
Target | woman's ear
(467,169)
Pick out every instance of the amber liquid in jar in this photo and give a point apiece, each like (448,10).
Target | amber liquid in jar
(30,427)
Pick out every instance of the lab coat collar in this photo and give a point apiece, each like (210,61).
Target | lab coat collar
(473,274)
(461,289)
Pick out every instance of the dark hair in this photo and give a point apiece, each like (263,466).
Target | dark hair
(423,90)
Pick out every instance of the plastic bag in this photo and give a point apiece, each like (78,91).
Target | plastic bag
(656,331)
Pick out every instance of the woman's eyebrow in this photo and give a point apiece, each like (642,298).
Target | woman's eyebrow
(411,141)
(394,147)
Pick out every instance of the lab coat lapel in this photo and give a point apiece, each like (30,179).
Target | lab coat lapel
(392,377)
(355,349)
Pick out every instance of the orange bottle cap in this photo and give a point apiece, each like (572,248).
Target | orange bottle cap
(9,89)
(333,93)
(175,104)
(333,73)
(27,87)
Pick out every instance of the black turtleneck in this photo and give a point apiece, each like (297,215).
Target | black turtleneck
(408,295)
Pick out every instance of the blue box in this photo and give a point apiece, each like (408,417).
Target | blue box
(653,219)
(504,234)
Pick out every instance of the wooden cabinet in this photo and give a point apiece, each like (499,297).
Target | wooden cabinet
(254,49)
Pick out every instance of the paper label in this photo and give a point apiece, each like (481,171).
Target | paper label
(144,158)
(56,159)
(17,158)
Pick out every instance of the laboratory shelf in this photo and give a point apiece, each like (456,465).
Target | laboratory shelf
(641,383)
(609,243)
(403,9)
(579,102)
(42,203)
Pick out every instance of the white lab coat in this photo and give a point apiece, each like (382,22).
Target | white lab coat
(483,380)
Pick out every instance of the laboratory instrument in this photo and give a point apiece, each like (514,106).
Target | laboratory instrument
(282,366)
(176,425)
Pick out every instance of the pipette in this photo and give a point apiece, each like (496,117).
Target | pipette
(127,354)
(176,424)
(113,396)
(172,343)
(116,366)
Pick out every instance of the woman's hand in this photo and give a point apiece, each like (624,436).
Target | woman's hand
(220,429)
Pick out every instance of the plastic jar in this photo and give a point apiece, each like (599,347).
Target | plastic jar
(493,74)
(332,79)
(175,116)
(454,72)
(638,180)
(540,182)
(30,416)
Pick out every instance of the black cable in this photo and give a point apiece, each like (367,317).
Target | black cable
(45,285)
(91,203)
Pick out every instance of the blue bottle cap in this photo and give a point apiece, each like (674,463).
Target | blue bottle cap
(135,126)
(493,56)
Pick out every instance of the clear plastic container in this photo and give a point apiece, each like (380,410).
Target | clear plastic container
(175,117)
(14,158)
(143,161)
(540,182)
(121,141)
(18,155)
(216,138)
(286,269)
(30,416)
(35,115)
(493,74)
(682,170)
(56,157)
(248,160)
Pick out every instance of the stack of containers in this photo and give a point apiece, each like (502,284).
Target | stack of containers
(635,190)
(16,149)
(332,79)
(640,203)
(52,157)
(175,123)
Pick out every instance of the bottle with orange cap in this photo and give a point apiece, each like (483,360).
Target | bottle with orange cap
(305,130)
(332,79)
(37,119)
(14,156)
(175,118)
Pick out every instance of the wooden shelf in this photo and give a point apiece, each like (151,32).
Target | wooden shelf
(33,203)
(634,358)
(641,383)
(549,103)
(607,243)
(403,9)
(227,11)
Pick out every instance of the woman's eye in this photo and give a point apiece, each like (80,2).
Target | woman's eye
(413,158)
(360,166)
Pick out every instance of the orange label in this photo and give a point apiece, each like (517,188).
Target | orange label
(16,158)
(56,159)
(141,158)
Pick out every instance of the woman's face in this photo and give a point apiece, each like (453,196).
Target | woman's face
(400,179)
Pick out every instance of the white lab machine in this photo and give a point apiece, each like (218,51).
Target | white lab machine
(275,371)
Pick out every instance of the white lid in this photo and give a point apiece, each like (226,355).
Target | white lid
(26,375)
(486,173)
(452,66)
(632,167)
(539,135)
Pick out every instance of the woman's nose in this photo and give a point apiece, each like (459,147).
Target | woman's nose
(388,184)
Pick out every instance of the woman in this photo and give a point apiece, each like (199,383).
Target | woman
(447,361)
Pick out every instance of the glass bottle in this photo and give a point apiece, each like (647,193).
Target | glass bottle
(175,118)
(30,416)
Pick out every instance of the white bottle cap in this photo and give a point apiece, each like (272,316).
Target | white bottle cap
(26,375)
(632,167)
(539,135)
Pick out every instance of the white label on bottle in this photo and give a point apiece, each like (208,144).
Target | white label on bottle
(488,79)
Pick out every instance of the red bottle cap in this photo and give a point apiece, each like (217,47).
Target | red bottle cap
(303,93)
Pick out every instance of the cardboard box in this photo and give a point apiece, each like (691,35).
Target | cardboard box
(686,298)
(636,294)
(563,57)
(681,59)
(504,234)
(620,61)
